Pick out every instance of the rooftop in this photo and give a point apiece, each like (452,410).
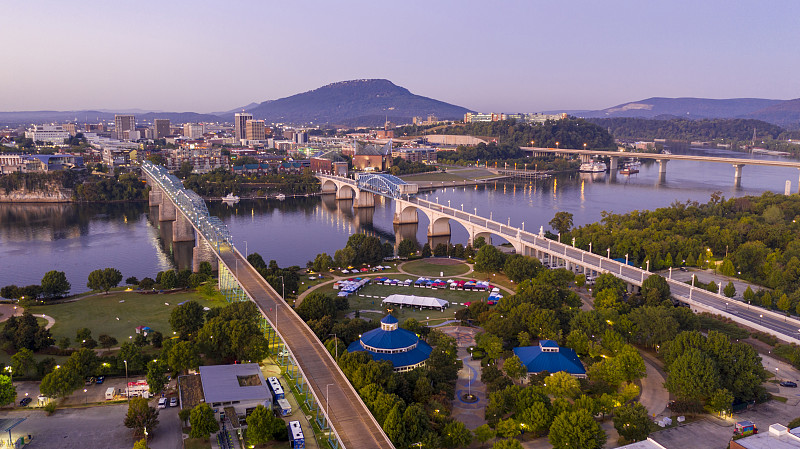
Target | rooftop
(239,382)
(548,356)
(778,437)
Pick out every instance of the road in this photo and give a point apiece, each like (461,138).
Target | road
(350,418)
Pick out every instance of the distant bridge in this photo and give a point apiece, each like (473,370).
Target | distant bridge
(662,159)
(333,400)
(559,255)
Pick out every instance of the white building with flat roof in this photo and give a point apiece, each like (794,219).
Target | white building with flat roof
(241,386)
(53,134)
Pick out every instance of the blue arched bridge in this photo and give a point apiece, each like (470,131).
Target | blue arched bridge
(363,188)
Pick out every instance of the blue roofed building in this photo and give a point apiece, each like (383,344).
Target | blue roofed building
(548,356)
(400,346)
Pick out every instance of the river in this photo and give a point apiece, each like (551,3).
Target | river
(78,238)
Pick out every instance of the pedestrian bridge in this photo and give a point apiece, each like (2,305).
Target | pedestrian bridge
(331,399)
(363,188)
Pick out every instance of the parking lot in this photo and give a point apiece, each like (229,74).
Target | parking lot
(94,392)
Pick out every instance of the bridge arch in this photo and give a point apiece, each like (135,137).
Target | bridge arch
(345,192)
(328,186)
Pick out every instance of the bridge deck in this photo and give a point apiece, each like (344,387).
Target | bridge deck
(670,157)
(351,419)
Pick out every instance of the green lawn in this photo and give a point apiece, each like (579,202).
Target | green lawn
(196,443)
(424,267)
(433,177)
(99,313)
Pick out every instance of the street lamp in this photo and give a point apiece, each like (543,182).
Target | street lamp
(283,291)
(590,246)
(609,253)
(245,249)
(127,387)
(336,345)
(327,403)
(85,396)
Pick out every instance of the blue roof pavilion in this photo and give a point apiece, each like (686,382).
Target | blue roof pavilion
(400,346)
(548,356)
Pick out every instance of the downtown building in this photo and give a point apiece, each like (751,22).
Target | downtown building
(123,123)
(48,134)
(161,128)
(240,125)
(194,130)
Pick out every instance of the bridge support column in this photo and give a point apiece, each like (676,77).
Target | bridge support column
(662,167)
(364,199)
(439,226)
(182,230)
(166,210)
(614,163)
(202,252)
(155,196)
(737,175)
(345,193)
(586,158)
(404,215)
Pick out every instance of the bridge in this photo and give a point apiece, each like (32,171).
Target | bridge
(662,159)
(559,255)
(335,404)
(363,188)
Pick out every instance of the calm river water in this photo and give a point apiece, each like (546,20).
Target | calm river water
(77,239)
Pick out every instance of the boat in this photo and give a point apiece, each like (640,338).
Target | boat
(280,197)
(665,151)
(593,167)
(629,171)
(230,198)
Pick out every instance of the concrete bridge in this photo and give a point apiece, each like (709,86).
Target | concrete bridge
(335,404)
(558,255)
(662,159)
(364,187)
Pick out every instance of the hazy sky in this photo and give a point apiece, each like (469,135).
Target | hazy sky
(488,55)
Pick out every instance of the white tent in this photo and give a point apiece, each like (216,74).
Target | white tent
(424,302)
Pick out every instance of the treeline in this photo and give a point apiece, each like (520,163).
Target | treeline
(684,129)
(221,182)
(401,166)
(569,133)
(38,181)
(501,154)
(753,238)
(90,188)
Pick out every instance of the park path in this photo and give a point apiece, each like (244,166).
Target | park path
(469,379)
(654,397)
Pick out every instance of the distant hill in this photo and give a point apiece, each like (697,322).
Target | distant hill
(28,117)
(687,108)
(786,114)
(354,103)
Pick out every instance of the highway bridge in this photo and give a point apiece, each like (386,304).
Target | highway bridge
(662,159)
(559,255)
(335,403)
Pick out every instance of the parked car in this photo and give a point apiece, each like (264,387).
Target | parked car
(24,402)
(89,381)
(100,379)
(162,403)
(173,402)
(788,383)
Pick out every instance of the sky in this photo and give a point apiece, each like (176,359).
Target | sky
(490,55)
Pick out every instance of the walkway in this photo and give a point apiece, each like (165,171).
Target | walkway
(654,396)
(469,379)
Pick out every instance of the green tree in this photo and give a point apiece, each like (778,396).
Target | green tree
(104,279)
(562,384)
(608,280)
(629,364)
(537,418)
(23,363)
(729,290)
(187,319)
(632,422)
(784,303)
(489,259)
(183,356)
(426,250)
(654,325)
(156,375)
(721,401)
(202,421)
(141,416)
(322,262)
(727,268)
(185,170)
(518,268)
(131,354)
(508,428)
(157,159)
(561,222)
(749,295)
(609,299)
(393,426)
(169,280)
(84,361)
(407,248)
(576,429)
(55,284)
(262,425)
(693,375)
(491,344)
(456,434)
(60,382)
(206,269)
(766,300)
(514,368)
(655,289)
(484,433)
(141,444)
(106,341)
(507,444)
(8,392)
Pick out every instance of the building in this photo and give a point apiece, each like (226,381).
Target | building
(194,130)
(426,155)
(471,117)
(71,128)
(329,162)
(203,159)
(240,386)
(549,357)
(778,437)
(52,134)
(161,128)
(255,130)
(384,134)
(240,125)
(124,123)
(372,157)
(400,346)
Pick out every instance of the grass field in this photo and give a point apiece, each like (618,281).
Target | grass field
(433,177)
(99,313)
(429,267)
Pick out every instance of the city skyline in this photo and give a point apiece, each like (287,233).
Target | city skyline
(524,56)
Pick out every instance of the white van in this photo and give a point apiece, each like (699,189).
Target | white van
(110,393)
(162,403)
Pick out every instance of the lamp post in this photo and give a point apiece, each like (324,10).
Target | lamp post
(327,404)
(670,273)
(590,246)
(609,253)
(127,387)
(648,265)
(336,345)
(761,319)
(462,207)
(86,397)
(283,290)
(245,249)
(626,259)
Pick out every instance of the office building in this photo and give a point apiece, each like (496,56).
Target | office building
(193,130)
(255,130)
(240,125)
(124,123)
(161,128)
(48,134)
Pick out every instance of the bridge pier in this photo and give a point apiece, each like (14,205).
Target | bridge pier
(202,252)
(439,228)
(155,196)
(182,230)
(364,199)
(166,211)
(403,214)
(662,167)
(737,175)
(614,166)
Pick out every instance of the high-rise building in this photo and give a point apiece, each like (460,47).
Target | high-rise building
(123,123)
(193,130)
(240,125)
(255,130)
(161,128)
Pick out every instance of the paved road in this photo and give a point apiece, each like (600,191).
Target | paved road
(654,396)
(351,420)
